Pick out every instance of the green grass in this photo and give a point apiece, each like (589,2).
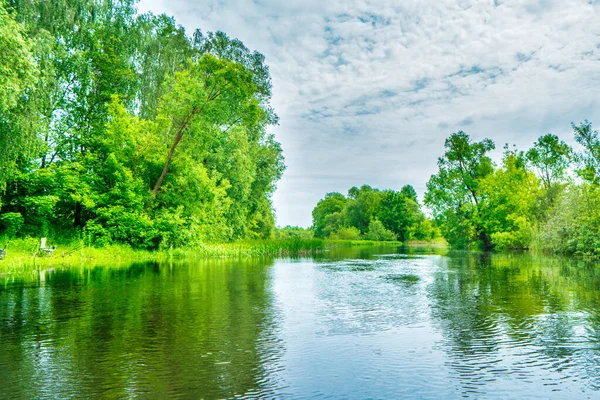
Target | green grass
(22,254)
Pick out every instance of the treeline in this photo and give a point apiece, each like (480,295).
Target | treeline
(547,197)
(372,214)
(121,127)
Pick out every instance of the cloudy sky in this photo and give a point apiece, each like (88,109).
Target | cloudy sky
(367,90)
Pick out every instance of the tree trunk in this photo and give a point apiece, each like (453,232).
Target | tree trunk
(167,162)
(485,239)
(178,137)
(77,220)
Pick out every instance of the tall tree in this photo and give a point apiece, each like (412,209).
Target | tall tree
(214,93)
(551,158)
(455,193)
(510,196)
(333,204)
(589,158)
(17,77)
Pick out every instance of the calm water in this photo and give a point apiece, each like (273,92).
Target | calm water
(359,323)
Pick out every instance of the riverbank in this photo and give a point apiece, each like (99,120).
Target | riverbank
(23,254)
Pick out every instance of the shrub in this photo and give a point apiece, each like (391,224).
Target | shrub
(378,232)
(350,233)
(11,223)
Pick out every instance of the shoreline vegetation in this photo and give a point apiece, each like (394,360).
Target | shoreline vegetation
(126,131)
(23,255)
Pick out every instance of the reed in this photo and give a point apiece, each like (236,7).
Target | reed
(23,255)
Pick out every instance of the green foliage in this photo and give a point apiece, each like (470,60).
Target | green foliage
(378,232)
(348,233)
(18,74)
(371,213)
(508,204)
(294,232)
(333,203)
(589,158)
(573,224)
(363,206)
(454,194)
(529,201)
(11,224)
(550,157)
(401,214)
(146,136)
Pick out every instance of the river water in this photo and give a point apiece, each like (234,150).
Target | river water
(355,323)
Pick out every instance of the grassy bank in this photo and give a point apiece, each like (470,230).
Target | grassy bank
(24,254)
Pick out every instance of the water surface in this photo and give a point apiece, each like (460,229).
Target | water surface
(354,323)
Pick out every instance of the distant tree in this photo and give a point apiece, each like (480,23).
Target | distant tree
(400,213)
(294,232)
(363,207)
(332,203)
(378,232)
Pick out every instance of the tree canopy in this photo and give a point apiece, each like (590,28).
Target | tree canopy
(130,130)
(372,214)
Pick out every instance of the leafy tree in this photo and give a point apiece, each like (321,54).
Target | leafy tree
(347,233)
(409,192)
(363,207)
(510,196)
(18,74)
(126,106)
(455,193)
(400,213)
(551,158)
(589,158)
(332,203)
(378,232)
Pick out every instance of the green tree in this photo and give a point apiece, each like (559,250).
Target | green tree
(115,92)
(332,203)
(455,193)
(378,232)
(400,213)
(363,206)
(18,74)
(510,195)
(589,158)
(551,158)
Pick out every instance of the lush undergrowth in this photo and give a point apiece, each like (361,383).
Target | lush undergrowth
(24,254)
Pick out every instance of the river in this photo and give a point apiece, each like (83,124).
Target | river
(373,322)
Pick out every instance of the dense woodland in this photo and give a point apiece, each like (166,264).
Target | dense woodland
(372,214)
(119,127)
(545,198)
(122,128)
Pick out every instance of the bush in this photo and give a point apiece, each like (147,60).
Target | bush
(350,233)
(518,238)
(378,232)
(11,223)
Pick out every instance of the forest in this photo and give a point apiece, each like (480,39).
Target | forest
(373,214)
(546,198)
(122,128)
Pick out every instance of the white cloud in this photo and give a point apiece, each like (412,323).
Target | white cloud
(368,90)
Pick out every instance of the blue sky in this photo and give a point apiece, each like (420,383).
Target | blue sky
(367,90)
